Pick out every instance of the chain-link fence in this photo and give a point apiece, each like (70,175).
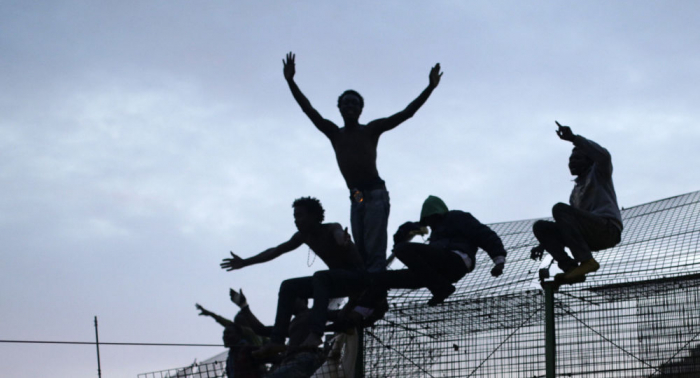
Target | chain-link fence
(638,316)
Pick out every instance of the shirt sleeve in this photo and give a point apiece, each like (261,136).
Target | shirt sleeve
(486,239)
(595,152)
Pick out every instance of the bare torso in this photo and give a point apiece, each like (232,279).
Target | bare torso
(325,245)
(356,154)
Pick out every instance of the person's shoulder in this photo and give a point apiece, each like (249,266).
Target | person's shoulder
(460,215)
(332,226)
(298,237)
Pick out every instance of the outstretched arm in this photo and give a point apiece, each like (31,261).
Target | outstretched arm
(324,125)
(236,262)
(389,123)
(219,319)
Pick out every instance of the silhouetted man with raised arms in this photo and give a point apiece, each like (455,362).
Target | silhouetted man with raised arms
(592,221)
(355,147)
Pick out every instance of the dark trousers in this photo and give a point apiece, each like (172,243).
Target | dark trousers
(579,230)
(323,286)
(434,268)
(431,267)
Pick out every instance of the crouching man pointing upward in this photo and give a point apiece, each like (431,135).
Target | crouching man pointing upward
(592,221)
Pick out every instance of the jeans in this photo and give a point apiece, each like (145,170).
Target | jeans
(369,220)
(579,230)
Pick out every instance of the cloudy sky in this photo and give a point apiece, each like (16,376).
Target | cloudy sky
(140,141)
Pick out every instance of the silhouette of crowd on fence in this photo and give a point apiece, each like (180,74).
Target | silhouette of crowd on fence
(357,264)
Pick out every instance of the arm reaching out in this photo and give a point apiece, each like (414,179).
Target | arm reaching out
(236,262)
(289,69)
(389,123)
(219,319)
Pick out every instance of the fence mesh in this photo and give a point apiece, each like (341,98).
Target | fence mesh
(638,316)
(215,369)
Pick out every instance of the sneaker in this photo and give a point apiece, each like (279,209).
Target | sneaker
(578,274)
(440,296)
(380,309)
(567,266)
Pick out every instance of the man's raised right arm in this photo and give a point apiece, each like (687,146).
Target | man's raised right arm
(324,125)
(236,262)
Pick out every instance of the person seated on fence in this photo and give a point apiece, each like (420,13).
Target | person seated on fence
(242,335)
(450,254)
(296,361)
(245,335)
(592,221)
(328,240)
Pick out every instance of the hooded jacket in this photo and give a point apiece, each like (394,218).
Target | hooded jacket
(459,230)
(594,191)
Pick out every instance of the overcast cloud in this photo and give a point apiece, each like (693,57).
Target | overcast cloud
(140,141)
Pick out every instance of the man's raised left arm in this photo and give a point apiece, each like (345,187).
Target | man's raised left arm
(385,124)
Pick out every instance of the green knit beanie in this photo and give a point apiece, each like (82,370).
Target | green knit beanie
(433,205)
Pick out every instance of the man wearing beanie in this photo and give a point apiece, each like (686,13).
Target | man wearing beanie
(455,238)
(450,254)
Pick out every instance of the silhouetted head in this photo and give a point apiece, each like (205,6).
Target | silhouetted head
(232,335)
(350,104)
(433,210)
(579,163)
(308,213)
(241,319)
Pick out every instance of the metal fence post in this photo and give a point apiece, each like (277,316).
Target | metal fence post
(97,343)
(550,342)
(360,359)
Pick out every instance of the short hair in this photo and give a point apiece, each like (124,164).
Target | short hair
(352,92)
(312,205)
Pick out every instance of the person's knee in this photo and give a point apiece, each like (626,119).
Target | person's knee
(286,287)
(322,277)
(560,211)
(401,249)
(539,228)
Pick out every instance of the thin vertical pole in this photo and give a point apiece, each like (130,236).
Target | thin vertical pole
(97,343)
(360,359)
(550,343)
